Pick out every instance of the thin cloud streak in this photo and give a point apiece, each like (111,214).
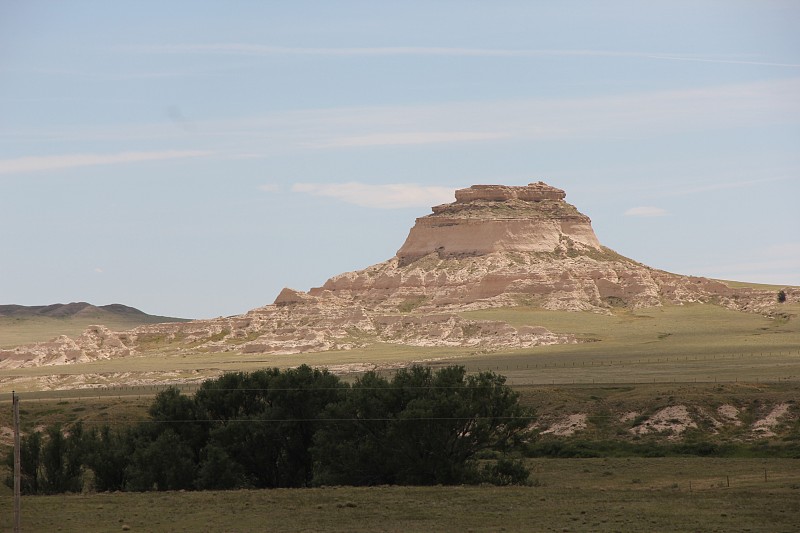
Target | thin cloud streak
(58,162)
(722,186)
(389,196)
(725,61)
(422,137)
(384,51)
(691,185)
(621,116)
(646,211)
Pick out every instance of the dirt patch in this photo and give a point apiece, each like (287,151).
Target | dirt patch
(630,416)
(673,420)
(6,436)
(567,426)
(729,413)
(765,426)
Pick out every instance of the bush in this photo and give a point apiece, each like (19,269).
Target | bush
(275,428)
(420,428)
(506,472)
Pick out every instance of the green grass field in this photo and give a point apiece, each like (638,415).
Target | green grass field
(699,355)
(669,494)
(15,330)
(699,342)
(668,344)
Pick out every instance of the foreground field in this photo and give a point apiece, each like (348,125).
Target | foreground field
(667,494)
(700,356)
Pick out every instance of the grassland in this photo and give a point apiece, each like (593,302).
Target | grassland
(24,330)
(667,344)
(690,343)
(668,494)
(699,355)
(750,285)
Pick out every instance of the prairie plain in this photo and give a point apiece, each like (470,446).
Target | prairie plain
(688,343)
(630,494)
(699,355)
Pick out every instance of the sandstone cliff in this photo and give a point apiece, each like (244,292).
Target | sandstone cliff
(495,246)
(496,218)
(498,246)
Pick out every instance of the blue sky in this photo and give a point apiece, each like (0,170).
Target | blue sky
(193,158)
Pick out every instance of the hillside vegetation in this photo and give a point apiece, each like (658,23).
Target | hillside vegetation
(27,324)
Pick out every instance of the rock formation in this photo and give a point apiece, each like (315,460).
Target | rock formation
(496,218)
(500,246)
(495,246)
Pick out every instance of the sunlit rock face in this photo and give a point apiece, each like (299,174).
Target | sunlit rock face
(498,218)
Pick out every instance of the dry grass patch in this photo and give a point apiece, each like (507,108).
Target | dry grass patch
(573,495)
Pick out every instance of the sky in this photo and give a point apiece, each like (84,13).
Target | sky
(192,158)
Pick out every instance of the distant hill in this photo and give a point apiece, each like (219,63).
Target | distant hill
(22,324)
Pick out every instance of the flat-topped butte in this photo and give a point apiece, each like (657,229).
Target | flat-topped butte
(498,218)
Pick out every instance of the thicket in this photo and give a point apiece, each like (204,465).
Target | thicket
(296,428)
(580,448)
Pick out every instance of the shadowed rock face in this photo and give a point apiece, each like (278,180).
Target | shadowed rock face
(495,246)
(496,218)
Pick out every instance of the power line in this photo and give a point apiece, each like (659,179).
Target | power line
(279,420)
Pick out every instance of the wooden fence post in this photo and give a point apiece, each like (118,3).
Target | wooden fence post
(17,464)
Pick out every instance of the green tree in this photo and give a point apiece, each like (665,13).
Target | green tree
(162,464)
(30,464)
(218,471)
(62,459)
(108,455)
(265,421)
(420,428)
(172,410)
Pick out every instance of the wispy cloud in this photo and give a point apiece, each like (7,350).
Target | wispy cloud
(617,116)
(389,196)
(411,137)
(621,116)
(246,49)
(646,211)
(719,186)
(57,162)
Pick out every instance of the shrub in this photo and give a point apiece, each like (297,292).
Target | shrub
(420,428)
(506,472)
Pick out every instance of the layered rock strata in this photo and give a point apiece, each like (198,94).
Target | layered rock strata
(495,246)
(495,218)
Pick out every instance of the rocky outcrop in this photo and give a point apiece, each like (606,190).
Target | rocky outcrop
(495,218)
(97,342)
(495,246)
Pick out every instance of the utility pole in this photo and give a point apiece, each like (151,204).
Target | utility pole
(17,462)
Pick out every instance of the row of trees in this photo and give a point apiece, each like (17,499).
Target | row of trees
(296,428)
